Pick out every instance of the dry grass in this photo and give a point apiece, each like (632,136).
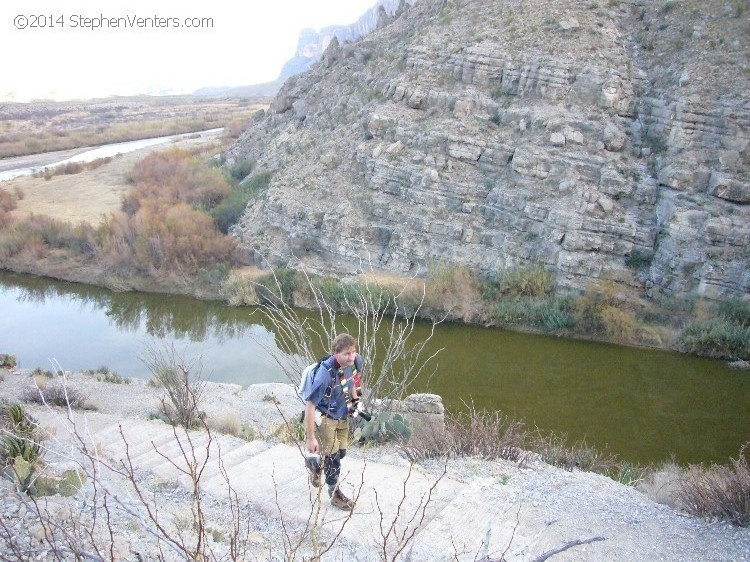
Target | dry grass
(40,127)
(58,395)
(227,423)
(87,196)
(719,491)
(454,290)
(487,435)
(661,484)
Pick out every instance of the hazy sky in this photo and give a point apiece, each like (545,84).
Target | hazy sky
(53,51)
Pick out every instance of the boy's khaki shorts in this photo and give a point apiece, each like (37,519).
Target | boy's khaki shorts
(332,435)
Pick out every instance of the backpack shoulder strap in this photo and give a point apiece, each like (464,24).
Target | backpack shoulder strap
(322,362)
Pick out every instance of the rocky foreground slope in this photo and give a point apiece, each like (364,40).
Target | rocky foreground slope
(478,510)
(604,140)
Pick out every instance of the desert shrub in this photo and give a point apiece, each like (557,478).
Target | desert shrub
(8,201)
(239,291)
(6,220)
(175,175)
(7,361)
(103,374)
(38,372)
(454,290)
(290,432)
(736,311)
(478,433)
(716,338)
(719,491)
(38,233)
(533,281)
(660,483)
(601,310)
(489,435)
(71,168)
(182,381)
(555,449)
(241,169)
(157,237)
(58,394)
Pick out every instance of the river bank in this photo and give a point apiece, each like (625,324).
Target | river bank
(521,509)
(123,242)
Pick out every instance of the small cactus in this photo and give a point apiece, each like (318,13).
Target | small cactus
(385,427)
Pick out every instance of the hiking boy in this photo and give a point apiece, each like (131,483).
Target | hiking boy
(327,409)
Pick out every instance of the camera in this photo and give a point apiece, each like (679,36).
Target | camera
(313,461)
(358,410)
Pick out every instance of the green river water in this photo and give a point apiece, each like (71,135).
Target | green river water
(645,405)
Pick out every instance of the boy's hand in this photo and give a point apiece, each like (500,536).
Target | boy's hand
(312,444)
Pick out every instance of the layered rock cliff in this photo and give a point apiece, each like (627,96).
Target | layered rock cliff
(604,140)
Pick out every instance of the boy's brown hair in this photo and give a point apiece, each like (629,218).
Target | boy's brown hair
(342,342)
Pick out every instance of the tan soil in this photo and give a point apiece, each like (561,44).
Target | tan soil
(89,195)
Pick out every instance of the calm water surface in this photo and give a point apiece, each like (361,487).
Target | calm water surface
(641,404)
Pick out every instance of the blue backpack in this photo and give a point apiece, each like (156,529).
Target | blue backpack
(308,374)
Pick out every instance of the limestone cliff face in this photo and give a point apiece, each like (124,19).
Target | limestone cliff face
(578,135)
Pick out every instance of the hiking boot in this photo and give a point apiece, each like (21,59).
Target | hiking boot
(315,478)
(338,499)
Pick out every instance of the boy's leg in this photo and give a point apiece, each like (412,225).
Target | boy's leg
(329,449)
(338,499)
(326,438)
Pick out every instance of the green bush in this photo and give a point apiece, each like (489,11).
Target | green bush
(550,314)
(736,311)
(279,284)
(336,293)
(716,338)
(638,259)
(241,169)
(230,209)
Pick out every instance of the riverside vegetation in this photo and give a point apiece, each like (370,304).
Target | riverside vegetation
(171,235)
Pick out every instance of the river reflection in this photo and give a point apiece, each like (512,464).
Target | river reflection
(641,404)
(84,327)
